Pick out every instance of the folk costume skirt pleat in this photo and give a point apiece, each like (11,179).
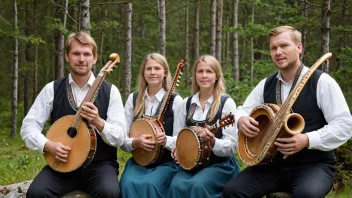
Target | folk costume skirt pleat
(206,183)
(142,182)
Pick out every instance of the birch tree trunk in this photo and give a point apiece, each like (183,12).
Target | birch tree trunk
(212,27)
(227,42)
(195,51)
(128,50)
(26,58)
(219,30)
(304,12)
(188,76)
(104,13)
(325,32)
(252,50)
(14,77)
(84,23)
(235,42)
(162,27)
(61,47)
(35,84)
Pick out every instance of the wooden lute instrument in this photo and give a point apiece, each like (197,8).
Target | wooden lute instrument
(72,131)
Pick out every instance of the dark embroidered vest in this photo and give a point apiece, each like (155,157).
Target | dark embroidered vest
(62,107)
(168,124)
(305,105)
(190,122)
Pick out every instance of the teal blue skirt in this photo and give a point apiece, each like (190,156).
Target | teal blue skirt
(141,182)
(206,183)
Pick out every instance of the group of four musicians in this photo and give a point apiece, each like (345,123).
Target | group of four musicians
(308,171)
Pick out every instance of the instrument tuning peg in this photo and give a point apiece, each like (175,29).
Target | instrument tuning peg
(180,73)
(177,85)
(178,81)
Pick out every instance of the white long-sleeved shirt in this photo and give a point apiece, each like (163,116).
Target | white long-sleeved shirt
(330,100)
(224,147)
(151,105)
(32,126)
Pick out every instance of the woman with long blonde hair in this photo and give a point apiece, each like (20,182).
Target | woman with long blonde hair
(154,82)
(207,104)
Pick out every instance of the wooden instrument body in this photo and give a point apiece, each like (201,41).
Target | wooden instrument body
(83,145)
(149,127)
(192,152)
(253,151)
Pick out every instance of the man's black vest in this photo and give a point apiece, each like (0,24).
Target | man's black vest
(190,122)
(305,105)
(62,107)
(168,124)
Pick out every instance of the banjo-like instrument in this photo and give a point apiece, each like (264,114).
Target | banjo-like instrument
(192,151)
(274,122)
(152,126)
(72,131)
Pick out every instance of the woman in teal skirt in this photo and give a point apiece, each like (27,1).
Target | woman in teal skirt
(153,180)
(205,107)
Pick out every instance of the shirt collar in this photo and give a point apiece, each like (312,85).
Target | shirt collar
(90,80)
(195,99)
(304,71)
(159,96)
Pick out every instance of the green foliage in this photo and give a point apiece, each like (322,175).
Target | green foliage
(54,25)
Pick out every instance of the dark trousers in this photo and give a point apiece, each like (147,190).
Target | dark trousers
(98,179)
(308,180)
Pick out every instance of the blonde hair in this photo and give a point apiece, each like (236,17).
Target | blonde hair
(142,83)
(295,34)
(84,39)
(219,86)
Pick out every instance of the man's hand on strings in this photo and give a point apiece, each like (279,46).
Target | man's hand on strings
(291,145)
(248,126)
(91,114)
(58,150)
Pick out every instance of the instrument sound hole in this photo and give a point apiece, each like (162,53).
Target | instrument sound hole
(72,132)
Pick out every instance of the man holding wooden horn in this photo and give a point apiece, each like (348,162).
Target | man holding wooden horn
(105,117)
(305,161)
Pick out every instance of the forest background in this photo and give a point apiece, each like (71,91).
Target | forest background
(32,35)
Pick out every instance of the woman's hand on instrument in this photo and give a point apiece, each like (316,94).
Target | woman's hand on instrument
(58,150)
(143,142)
(248,125)
(91,114)
(206,135)
(291,145)
(161,138)
(174,155)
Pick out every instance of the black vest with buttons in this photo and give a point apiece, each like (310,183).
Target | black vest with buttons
(168,124)
(190,122)
(305,105)
(62,107)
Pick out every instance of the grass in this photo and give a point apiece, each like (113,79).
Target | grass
(18,163)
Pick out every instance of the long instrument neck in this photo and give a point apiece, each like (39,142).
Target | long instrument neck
(166,100)
(90,97)
(292,97)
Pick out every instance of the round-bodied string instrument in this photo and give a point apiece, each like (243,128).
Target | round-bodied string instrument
(274,122)
(192,151)
(72,131)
